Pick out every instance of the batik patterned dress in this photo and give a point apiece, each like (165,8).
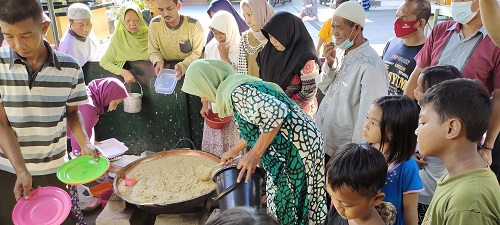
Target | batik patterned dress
(294,160)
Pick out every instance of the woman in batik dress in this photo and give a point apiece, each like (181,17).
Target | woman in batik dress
(278,132)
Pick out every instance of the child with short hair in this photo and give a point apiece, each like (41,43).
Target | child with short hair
(455,114)
(389,128)
(355,175)
(431,168)
(243,215)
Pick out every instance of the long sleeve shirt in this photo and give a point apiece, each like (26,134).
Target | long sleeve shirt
(183,42)
(350,87)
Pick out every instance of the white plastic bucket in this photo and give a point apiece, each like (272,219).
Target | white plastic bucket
(133,103)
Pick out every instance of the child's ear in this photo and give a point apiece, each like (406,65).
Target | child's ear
(378,198)
(454,128)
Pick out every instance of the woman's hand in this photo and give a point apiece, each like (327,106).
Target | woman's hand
(204,109)
(118,170)
(227,157)
(128,76)
(248,164)
(223,51)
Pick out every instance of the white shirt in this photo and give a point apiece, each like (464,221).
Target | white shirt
(82,51)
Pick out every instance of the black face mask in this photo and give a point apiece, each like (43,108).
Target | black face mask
(106,108)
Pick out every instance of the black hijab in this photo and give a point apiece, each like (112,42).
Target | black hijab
(280,67)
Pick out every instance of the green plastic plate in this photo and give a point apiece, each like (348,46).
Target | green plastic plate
(82,170)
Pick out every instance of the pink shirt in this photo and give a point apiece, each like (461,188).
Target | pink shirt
(483,64)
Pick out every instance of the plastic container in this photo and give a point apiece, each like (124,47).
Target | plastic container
(166,81)
(104,197)
(100,188)
(214,122)
(111,148)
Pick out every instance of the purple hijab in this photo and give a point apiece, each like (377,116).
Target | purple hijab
(103,91)
(225,5)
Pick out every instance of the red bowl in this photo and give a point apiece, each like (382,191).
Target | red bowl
(214,122)
(104,197)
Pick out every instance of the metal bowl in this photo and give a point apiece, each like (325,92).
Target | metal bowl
(174,207)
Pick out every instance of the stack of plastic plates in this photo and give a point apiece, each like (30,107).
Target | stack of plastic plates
(46,206)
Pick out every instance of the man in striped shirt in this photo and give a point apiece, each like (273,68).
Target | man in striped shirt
(40,90)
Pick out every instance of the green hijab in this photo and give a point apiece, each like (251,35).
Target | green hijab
(125,46)
(216,80)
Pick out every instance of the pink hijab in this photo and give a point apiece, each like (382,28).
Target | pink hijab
(104,90)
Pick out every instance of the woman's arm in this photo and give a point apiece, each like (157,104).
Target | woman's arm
(75,123)
(308,89)
(410,205)
(252,158)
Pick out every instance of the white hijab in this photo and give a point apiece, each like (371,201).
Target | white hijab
(224,22)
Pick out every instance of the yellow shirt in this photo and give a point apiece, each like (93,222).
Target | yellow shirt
(184,42)
(326,31)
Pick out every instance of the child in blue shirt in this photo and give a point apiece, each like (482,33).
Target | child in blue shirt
(389,127)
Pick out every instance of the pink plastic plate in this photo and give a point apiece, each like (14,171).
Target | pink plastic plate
(46,206)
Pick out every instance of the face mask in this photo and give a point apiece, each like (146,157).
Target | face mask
(404,28)
(462,12)
(347,43)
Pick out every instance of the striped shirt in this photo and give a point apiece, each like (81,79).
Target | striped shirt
(35,103)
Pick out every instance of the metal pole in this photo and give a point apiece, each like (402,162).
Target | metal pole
(52,15)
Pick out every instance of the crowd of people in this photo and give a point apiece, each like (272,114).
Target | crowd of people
(409,137)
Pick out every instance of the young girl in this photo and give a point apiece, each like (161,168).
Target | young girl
(227,38)
(289,59)
(256,14)
(390,127)
(431,168)
(225,47)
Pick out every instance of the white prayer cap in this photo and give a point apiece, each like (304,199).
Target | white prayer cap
(79,11)
(351,11)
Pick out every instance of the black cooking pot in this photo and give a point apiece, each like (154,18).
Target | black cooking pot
(232,194)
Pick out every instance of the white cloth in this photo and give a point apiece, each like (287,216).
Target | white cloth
(89,50)
(350,87)
(79,11)
(224,22)
(351,11)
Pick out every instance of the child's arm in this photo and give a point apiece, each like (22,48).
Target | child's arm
(410,203)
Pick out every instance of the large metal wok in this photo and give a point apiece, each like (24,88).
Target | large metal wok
(175,207)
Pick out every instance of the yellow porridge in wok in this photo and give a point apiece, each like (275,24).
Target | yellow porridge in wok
(167,180)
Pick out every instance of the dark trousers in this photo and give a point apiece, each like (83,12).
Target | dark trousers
(7,200)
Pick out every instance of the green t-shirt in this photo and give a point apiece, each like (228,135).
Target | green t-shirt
(469,198)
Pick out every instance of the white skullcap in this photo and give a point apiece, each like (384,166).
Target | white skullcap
(79,11)
(351,11)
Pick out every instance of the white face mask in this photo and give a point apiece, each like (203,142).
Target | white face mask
(462,12)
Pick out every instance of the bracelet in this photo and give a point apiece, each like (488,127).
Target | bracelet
(482,146)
